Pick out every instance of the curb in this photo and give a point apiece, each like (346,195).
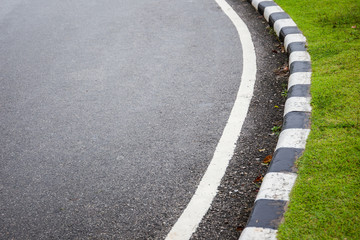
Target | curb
(273,197)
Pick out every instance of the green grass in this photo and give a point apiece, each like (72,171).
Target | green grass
(325,202)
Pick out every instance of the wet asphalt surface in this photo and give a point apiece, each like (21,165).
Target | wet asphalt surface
(110,112)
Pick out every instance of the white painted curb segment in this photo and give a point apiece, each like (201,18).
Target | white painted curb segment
(279,24)
(299,78)
(270,10)
(293,38)
(293,138)
(255,3)
(276,186)
(253,233)
(299,56)
(297,104)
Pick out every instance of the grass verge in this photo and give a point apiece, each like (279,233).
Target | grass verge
(325,202)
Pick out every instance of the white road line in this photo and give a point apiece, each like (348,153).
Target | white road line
(207,189)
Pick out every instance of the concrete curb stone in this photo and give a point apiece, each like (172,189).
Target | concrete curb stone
(273,197)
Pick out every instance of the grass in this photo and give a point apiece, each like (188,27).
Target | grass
(325,201)
(276,130)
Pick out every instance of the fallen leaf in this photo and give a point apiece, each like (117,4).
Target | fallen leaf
(239,229)
(276,106)
(259,178)
(262,150)
(267,159)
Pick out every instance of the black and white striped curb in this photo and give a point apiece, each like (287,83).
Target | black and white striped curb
(273,196)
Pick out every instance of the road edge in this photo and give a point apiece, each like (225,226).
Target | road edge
(273,197)
(206,191)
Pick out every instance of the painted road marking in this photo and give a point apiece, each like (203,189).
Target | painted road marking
(199,204)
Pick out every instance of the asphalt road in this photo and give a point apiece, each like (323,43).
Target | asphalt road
(110,112)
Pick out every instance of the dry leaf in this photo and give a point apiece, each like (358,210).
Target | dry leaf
(239,229)
(259,178)
(267,159)
(282,49)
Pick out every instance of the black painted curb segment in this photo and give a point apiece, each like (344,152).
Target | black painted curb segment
(284,160)
(265,4)
(288,30)
(299,90)
(300,66)
(296,46)
(277,16)
(268,212)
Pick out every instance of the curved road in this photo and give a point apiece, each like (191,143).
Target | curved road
(110,112)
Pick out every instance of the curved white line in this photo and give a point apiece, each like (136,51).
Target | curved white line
(207,189)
